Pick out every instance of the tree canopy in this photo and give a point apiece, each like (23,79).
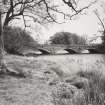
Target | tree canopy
(41,11)
(67,38)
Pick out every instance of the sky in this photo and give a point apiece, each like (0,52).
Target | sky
(83,25)
(86,25)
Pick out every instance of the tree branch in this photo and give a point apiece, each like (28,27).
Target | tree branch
(102,24)
(70,4)
(10,10)
(47,9)
(36,7)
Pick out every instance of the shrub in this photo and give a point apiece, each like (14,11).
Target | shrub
(67,38)
(66,94)
(16,39)
(94,94)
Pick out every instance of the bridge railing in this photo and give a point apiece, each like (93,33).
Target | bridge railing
(66,45)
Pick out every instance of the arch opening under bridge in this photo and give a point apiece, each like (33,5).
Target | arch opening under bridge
(71,51)
(44,51)
(93,51)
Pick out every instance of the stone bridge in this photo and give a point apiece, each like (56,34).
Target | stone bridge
(72,49)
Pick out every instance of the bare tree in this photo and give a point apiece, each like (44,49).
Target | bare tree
(41,11)
(3,67)
(102,24)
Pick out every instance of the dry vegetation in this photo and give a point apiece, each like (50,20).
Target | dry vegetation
(87,88)
(54,80)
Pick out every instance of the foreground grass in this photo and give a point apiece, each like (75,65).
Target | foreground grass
(94,94)
(44,74)
(78,92)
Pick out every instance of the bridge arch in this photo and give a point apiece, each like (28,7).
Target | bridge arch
(93,51)
(84,51)
(44,51)
(71,51)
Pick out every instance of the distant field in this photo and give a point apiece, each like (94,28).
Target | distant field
(35,89)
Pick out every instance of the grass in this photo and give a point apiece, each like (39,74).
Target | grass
(45,70)
(94,94)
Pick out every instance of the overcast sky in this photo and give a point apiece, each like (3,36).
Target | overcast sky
(85,24)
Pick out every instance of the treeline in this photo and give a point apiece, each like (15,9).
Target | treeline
(74,39)
(67,38)
(17,40)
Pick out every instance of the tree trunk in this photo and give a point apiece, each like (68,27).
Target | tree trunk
(2,63)
(1,45)
(3,66)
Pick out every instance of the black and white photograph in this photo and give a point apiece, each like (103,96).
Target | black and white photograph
(52,52)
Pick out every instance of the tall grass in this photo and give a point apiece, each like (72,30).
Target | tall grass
(94,94)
